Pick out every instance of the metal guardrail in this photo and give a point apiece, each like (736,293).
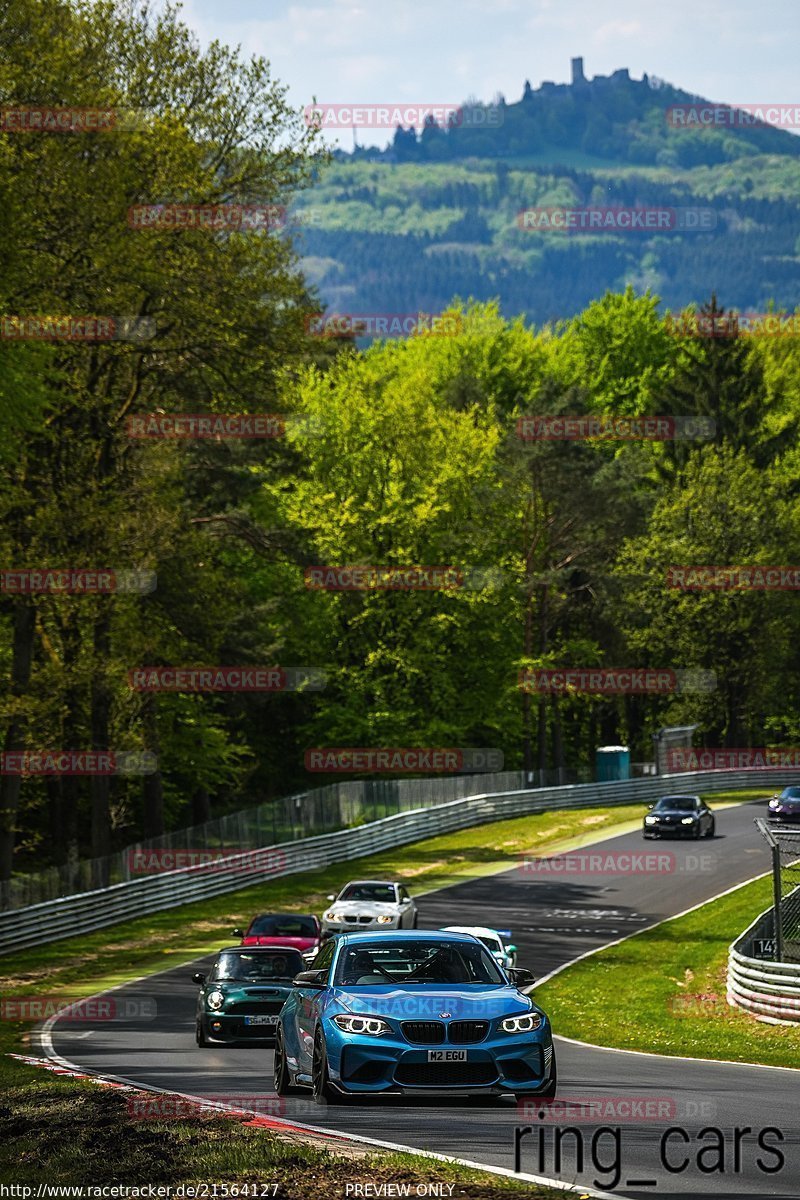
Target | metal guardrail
(70,915)
(763,988)
(325,809)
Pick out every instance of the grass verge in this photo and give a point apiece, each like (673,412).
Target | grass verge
(68,1132)
(664,990)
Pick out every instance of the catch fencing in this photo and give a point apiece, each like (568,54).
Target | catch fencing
(321,810)
(136,897)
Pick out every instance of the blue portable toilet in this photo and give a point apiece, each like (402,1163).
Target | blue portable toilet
(612,762)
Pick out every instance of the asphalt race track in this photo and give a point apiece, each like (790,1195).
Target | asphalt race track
(554,919)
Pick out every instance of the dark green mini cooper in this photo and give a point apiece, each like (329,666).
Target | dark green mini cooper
(241,997)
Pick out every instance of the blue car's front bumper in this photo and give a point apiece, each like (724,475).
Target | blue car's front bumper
(503,1063)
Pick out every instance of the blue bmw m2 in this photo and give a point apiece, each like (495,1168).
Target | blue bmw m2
(412,1012)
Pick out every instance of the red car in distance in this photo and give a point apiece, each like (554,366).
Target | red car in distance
(288,931)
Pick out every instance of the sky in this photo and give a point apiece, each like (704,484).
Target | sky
(446,51)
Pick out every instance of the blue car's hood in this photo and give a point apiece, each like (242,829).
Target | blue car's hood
(427,1002)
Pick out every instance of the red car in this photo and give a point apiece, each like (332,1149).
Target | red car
(295,931)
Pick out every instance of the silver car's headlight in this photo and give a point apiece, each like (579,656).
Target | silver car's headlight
(384,920)
(334,917)
(687,820)
(523,1024)
(215,999)
(371,1026)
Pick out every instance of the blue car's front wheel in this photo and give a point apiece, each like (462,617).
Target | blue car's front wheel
(282,1080)
(322,1092)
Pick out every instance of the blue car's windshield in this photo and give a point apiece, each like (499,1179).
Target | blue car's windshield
(790,793)
(676,803)
(257,968)
(424,961)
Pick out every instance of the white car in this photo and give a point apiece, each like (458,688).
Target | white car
(369,906)
(493,939)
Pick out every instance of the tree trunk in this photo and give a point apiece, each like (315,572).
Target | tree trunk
(542,713)
(152,785)
(558,741)
(100,785)
(201,806)
(10,785)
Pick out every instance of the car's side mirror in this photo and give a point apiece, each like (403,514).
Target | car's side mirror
(331,897)
(511,949)
(198,977)
(238,933)
(521,977)
(311,979)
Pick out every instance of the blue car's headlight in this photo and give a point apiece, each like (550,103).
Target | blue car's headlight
(371,1026)
(524,1024)
(688,820)
(215,999)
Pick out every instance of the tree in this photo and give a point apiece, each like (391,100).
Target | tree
(226,310)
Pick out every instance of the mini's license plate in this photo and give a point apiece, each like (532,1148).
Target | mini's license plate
(261,1020)
(447,1056)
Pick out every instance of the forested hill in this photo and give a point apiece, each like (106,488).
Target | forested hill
(612,117)
(436,216)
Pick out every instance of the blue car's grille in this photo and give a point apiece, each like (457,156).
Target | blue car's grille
(459,1074)
(468,1031)
(433,1033)
(424,1033)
